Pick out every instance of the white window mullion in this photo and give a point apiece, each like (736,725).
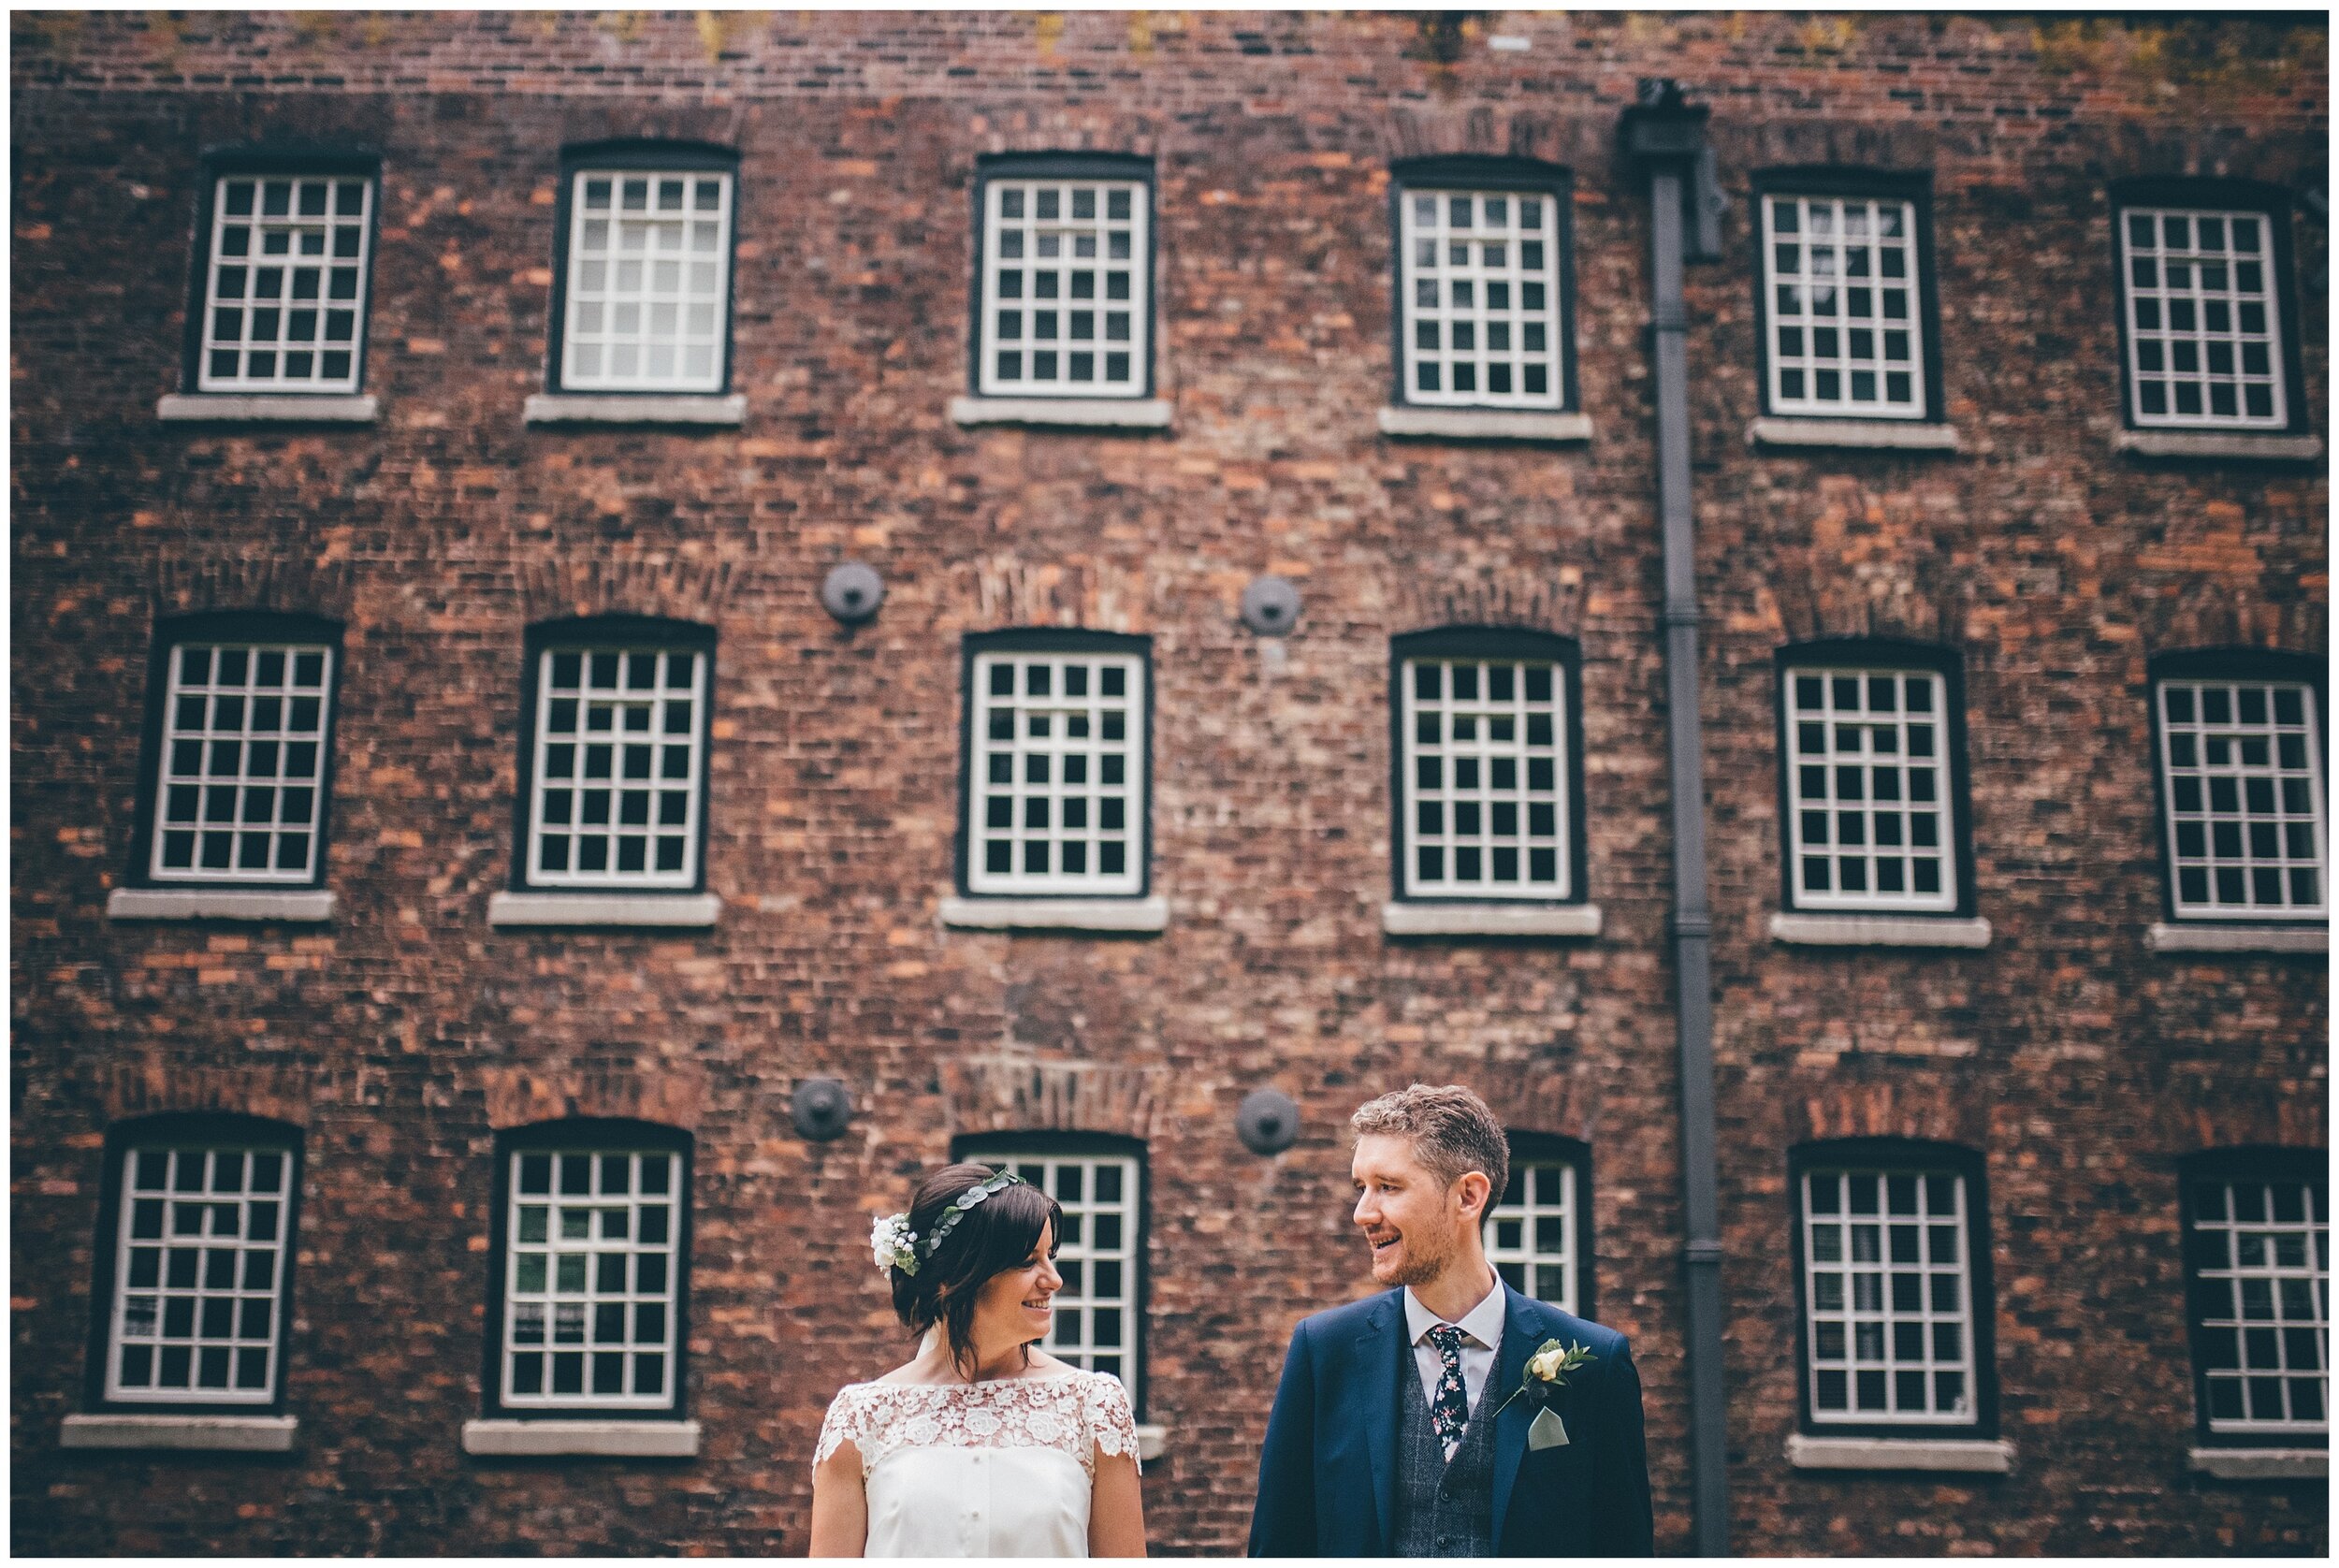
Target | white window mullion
(1065,290)
(2266,1334)
(648,286)
(2204,319)
(1871,825)
(2241,772)
(1057,792)
(197,1308)
(1888,1297)
(285,285)
(1531,1232)
(1483,779)
(1478,282)
(618,757)
(591,1288)
(240,777)
(1840,284)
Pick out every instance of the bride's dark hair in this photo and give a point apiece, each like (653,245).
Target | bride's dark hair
(991,1237)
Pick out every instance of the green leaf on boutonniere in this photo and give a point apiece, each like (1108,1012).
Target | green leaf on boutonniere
(1546,1373)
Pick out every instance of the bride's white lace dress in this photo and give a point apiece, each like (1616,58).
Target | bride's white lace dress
(998,1469)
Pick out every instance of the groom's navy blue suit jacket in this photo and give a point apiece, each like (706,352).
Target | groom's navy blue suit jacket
(1328,1474)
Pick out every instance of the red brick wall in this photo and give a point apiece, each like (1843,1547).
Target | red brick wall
(407,1032)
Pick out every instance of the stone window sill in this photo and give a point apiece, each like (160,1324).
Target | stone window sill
(2247,444)
(1899,435)
(238,1434)
(1056,914)
(1880,931)
(2165,937)
(624,1440)
(695,910)
(1486,424)
(2262,1465)
(287,905)
(1491,919)
(637,408)
(1983,1457)
(1152,1441)
(284,408)
(1078,413)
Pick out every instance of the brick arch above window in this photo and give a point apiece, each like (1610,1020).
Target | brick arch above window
(687,592)
(1539,599)
(287,582)
(1887,1102)
(986,1097)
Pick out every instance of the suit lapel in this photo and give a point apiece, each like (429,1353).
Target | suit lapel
(1510,1428)
(1381,1359)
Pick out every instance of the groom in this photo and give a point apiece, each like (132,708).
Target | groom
(1383,1440)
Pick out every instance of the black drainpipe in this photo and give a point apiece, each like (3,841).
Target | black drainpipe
(1666,138)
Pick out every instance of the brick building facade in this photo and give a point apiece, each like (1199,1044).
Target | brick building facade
(2032,1042)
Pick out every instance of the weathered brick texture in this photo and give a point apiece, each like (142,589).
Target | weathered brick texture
(404,1035)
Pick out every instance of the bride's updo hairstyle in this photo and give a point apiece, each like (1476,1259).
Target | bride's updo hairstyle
(991,1237)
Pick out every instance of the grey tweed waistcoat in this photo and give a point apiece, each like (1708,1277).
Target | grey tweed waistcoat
(1444,1509)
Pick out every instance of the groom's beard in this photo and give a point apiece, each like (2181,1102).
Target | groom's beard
(1422,1261)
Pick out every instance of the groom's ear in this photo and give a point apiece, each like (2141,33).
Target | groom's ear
(1472,1189)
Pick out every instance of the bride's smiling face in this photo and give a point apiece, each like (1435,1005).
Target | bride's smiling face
(1016,1305)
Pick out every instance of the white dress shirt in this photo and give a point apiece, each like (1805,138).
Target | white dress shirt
(1482,1333)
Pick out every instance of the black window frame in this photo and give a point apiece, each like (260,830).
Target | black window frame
(264,158)
(2240,1161)
(608,629)
(1049,639)
(1878,653)
(1455,172)
(180,1128)
(1488,642)
(1887,1156)
(997,1148)
(1136,166)
(2228,195)
(1914,186)
(2230,663)
(1528,1147)
(169,632)
(596,1136)
(637,153)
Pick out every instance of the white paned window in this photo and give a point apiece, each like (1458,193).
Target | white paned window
(1869,825)
(1064,291)
(1480,281)
(648,288)
(2263,1252)
(2243,785)
(240,795)
(1888,1292)
(620,757)
(1487,806)
(591,1292)
(2204,323)
(285,298)
(199,1274)
(1531,1232)
(1057,781)
(1840,274)
(1095,1311)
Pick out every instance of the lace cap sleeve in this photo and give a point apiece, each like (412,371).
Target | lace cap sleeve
(848,1421)
(1110,1422)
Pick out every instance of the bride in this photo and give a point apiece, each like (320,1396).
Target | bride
(979,1447)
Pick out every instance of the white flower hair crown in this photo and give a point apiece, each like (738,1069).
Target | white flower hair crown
(897,1246)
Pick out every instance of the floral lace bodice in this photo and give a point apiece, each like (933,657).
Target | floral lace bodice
(1075,1412)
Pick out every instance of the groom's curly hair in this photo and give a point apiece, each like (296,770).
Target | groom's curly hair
(990,1238)
(1452,1131)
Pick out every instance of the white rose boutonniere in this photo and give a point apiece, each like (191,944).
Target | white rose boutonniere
(1547,1375)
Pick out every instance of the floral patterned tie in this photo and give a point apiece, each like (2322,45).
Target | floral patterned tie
(1450,1412)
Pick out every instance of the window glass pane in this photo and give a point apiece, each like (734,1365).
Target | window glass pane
(1059,793)
(1843,334)
(1078,250)
(2240,763)
(1866,762)
(271,273)
(1488,806)
(2204,321)
(1531,1231)
(198,1247)
(595,1271)
(648,288)
(619,756)
(237,795)
(2263,1286)
(1479,280)
(1896,1347)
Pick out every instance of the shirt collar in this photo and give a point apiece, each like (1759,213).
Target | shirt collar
(1483,1322)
